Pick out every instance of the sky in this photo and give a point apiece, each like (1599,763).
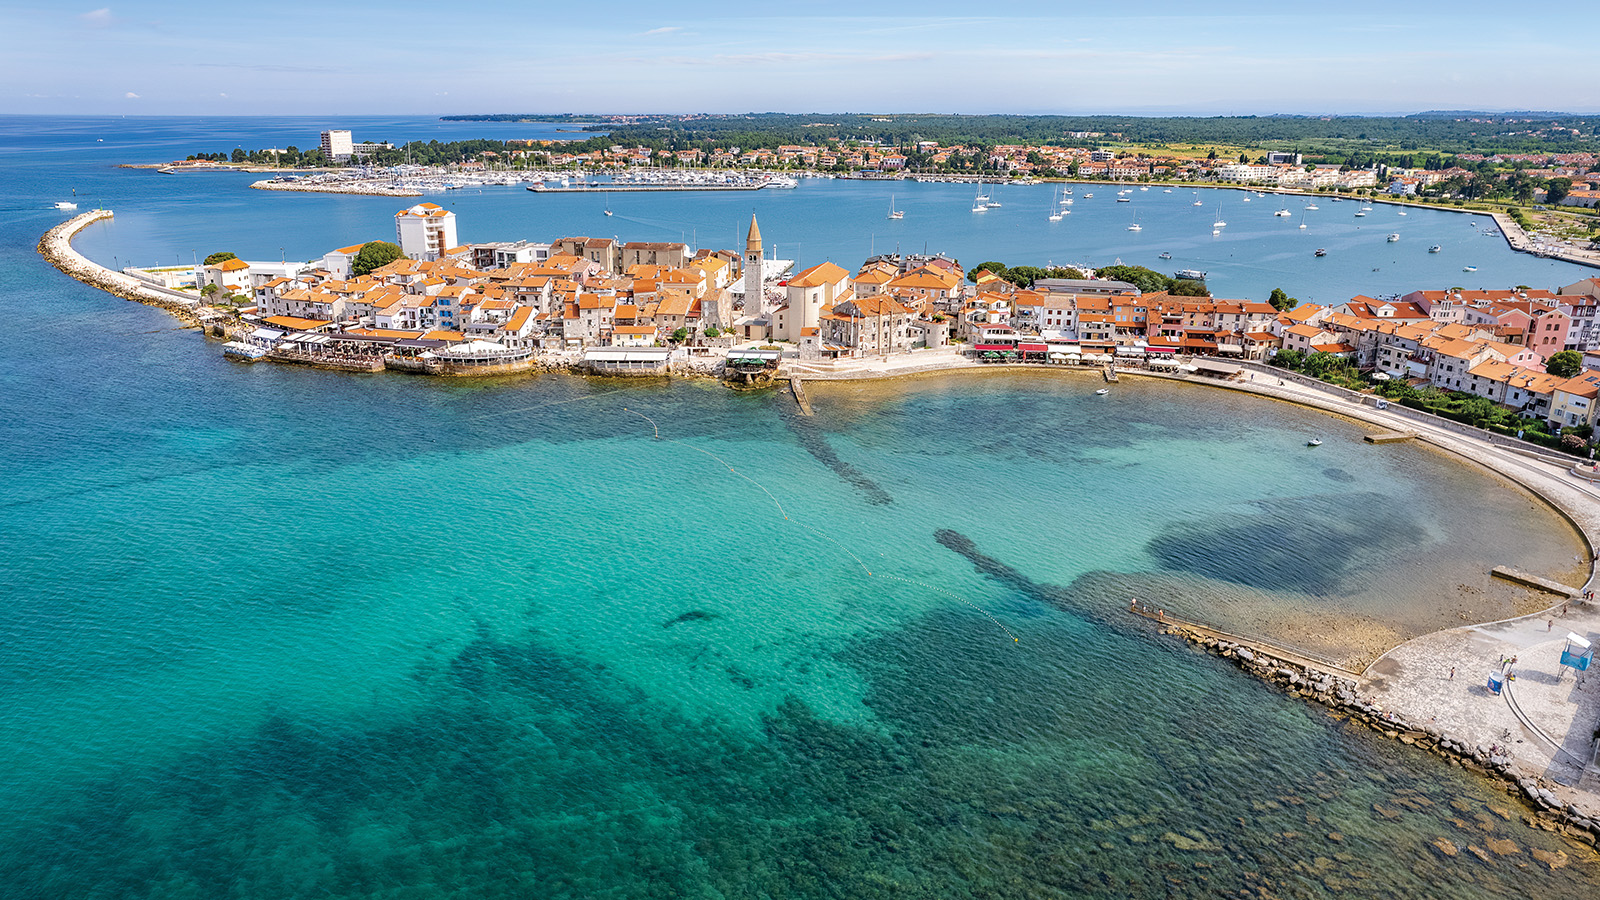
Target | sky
(294,57)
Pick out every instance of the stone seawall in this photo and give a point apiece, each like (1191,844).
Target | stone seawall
(1546,810)
(56,248)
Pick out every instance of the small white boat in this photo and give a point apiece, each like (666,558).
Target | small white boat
(1165,255)
(1103,391)
(1167,191)
(1314,442)
(1124,200)
(1284,213)
(1392,238)
(1435,248)
(1247,199)
(1216,231)
(1088,196)
(1469,268)
(1402,212)
(894,213)
(65,205)
(979,207)
(1360,213)
(1320,252)
(1311,206)
(1199,203)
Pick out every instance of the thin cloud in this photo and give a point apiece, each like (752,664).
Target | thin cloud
(98,18)
(130,96)
(665,29)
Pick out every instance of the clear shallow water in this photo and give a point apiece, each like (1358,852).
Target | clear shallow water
(272,633)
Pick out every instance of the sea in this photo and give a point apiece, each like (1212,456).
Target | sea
(269,632)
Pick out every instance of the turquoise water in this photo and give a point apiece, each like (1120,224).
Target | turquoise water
(271,632)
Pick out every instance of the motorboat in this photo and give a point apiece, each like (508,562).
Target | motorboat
(65,205)
(1392,237)
(1314,442)
(1469,268)
(1284,213)
(1165,255)
(1320,252)
(1312,207)
(1435,248)
(1190,275)
(1360,213)
(1199,203)
(1124,200)
(1103,391)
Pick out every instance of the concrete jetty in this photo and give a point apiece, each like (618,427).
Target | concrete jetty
(1534,581)
(799,390)
(1389,437)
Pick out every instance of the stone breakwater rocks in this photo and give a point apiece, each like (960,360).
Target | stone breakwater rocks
(363,188)
(56,248)
(1339,694)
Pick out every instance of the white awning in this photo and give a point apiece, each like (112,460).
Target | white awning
(1574,639)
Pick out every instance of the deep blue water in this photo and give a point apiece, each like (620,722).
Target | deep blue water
(271,632)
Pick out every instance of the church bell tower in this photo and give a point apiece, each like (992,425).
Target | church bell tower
(754,292)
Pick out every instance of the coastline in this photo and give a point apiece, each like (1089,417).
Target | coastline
(1456,734)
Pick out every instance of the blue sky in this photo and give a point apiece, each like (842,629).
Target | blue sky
(295,57)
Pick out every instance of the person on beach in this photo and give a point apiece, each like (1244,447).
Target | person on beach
(1452,673)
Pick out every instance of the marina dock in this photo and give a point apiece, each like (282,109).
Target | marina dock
(609,188)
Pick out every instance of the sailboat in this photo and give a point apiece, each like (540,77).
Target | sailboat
(980,202)
(894,213)
(608,207)
(1055,208)
(1197,200)
(1218,223)
(1135,226)
(1302,220)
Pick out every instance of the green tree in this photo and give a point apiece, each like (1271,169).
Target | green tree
(219,256)
(998,268)
(681,335)
(1556,190)
(209,290)
(1282,302)
(1188,287)
(1148,281)
(712,331)
(375,255)
(1288,359)
(1564,364)
(238,154)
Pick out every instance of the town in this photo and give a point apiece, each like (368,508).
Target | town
(424,303)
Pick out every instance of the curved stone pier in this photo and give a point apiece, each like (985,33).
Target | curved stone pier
(56,247)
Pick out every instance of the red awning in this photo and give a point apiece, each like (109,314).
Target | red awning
(1154,349)
(1032,348)
(993,347)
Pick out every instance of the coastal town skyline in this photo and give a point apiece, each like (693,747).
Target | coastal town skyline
(1079,59)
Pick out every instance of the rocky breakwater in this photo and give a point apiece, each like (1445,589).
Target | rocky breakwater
(1338,692)
(364,188)
(56,247)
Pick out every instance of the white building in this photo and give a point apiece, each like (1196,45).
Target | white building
(425,231)
(336,145)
